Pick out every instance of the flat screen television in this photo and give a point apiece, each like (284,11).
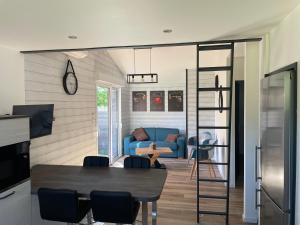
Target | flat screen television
(41,118)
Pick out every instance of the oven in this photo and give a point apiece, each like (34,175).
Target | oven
(14,165)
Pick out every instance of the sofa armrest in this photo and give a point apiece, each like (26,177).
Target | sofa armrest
(181,142)
(127,140)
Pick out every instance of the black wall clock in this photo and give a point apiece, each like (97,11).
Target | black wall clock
(70,81)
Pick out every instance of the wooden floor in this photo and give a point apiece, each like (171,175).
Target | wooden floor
(177,205)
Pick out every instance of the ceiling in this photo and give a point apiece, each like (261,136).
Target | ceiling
(169,61)
(46,24)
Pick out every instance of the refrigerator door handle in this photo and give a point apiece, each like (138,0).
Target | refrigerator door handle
(257,149)
(257,205)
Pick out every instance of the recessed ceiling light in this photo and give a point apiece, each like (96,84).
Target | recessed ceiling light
(72,37)
(167,31)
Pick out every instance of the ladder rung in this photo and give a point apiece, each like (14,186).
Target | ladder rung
(213,213)
(214,68)
(213,127)
(213,180)
(213,196)
(213,47)
(214,108)
(224,146)
(212,163)
(215,89)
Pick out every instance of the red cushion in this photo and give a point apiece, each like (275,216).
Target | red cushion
(171,138)
(140,134)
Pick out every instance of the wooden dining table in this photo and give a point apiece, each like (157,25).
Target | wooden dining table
(145,185)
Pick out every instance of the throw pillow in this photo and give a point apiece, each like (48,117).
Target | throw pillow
(171,138)
(140,134)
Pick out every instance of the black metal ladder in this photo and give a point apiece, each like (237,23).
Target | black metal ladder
(217,88)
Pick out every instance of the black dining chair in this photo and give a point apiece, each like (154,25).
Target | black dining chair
(63,206)
(96,161)
(114,207)
(137,162)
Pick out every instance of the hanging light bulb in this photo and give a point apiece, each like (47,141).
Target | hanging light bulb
(152,78)
(143,80)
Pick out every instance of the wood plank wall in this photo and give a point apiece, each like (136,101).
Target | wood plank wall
(207,99)
(74,132)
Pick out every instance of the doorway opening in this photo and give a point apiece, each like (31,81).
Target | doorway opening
(239,132)
(109,122)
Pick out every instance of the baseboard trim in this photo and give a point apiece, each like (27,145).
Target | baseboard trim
(250,219)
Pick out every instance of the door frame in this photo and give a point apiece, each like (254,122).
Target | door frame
(110,86)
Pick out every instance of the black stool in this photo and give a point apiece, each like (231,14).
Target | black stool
(137,162)
(62,206)
(96,161)
(114,207)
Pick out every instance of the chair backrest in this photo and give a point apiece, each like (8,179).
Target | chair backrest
(112,207)
(96,161)
(58,205)
(137,162)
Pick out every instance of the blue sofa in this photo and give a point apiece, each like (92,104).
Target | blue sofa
(157,135)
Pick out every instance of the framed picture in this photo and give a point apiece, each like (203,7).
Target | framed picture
(139,101)
(175,101)
(157,101)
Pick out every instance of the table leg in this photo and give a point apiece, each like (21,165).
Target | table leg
(145,213)
(154,213)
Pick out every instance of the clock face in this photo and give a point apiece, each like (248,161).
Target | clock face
(70,83)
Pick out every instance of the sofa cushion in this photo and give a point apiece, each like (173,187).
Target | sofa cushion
(171,138)
(162,133)
(151,132)
(140,134)
(171,145)
(139,144)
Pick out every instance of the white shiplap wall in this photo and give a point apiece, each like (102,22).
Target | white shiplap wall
(207,99)
(158,119)
(74,132)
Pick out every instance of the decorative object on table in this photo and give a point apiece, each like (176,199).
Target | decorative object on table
(142,78)
(140,134)
(171,138)
(153,146)
(175,101)
(157,135)
(70,82)
(139,101)
(157,101)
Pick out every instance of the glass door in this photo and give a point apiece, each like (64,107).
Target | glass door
(108,110)
(103,114)
(115,122)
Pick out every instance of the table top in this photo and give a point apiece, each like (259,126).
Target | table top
(147,150)
(143,184)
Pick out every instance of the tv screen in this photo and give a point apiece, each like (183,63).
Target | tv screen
(41,118)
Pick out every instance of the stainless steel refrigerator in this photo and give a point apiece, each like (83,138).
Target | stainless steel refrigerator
(278,148)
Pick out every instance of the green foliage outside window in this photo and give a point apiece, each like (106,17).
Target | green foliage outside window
(102,97)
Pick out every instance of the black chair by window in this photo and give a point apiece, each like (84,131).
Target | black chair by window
(62,206)
(114,207)
(96,161)
(137,162)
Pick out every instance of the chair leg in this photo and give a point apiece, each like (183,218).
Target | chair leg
(193,168)
(213,170)
(209,169)
(190,156)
